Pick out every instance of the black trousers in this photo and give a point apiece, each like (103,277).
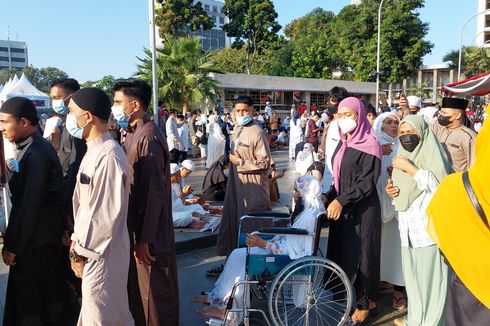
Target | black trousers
(174,156)
(37,293)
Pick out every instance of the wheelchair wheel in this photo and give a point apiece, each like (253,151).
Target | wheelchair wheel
(310,291)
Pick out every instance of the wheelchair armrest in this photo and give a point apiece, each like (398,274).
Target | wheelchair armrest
(269,214)
(283,230)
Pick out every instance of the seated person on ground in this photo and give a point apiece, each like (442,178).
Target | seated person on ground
(283,138)
(305,158)
(186,168)
(295,246)
(184,215)
(214,183)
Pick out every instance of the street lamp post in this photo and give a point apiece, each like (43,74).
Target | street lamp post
(378,54)
(461,39)
(151,7)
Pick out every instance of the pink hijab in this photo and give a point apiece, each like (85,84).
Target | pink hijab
(363,138)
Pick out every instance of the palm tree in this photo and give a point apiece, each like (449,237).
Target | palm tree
(183,73)
(453,58)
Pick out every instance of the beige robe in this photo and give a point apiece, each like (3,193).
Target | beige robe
(248,185)
(100,205)
(459,144)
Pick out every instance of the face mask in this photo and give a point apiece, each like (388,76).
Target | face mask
(59,106)
(243,120)
(121,118)
(346,125)
(409,142)
(72,127)
(444,120)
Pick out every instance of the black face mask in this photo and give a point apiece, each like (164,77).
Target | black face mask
(409,142)
(444,120)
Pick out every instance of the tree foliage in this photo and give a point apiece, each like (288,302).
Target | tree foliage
(39,77)
(321,42)
(253,24)
(234,61)
(179,17)
(474,60)
(183,73)
(105,83)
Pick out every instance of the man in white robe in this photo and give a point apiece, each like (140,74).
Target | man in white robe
(99,252)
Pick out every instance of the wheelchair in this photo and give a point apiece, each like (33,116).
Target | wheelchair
(307,291)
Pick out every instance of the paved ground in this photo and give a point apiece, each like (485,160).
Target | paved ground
(197,254)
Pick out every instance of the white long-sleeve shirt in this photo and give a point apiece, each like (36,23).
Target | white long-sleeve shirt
(412,222)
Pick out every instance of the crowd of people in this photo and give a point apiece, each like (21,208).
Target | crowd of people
(98,188)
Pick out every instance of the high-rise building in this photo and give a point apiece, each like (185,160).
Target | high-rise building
(13,54)
(483,24)
(215,38)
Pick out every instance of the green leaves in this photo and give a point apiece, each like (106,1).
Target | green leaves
(182,70)
(179,17)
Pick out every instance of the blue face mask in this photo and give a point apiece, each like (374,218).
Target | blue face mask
(121,118)
(243,120)
(59,107)
(72,126)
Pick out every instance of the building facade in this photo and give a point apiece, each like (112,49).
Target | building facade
(426,82)
(483,24)
(13,54)
(282,92)
(215,38)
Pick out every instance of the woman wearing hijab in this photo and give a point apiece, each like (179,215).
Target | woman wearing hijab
(461,231)
(386,128)
(293,245)
(419,166)
(355,229)
(305,159)
(295,134)
(216,141)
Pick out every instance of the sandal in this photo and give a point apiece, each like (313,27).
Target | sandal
(215,271)
(399,303)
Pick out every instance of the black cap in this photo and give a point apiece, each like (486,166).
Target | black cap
(93,100)
(454,103)
(20,107)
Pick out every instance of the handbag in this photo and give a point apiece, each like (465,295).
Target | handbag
(474,199)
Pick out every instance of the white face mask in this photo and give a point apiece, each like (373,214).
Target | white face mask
(347,125)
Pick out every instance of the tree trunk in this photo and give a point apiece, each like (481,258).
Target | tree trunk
(185,107)
(247,61)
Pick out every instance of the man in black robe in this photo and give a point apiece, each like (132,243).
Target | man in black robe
(36,290)
(150,209)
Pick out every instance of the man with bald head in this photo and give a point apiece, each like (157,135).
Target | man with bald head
(457,140)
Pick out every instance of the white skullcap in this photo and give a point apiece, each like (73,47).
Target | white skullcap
(414,101)
(188,164)
(174,168)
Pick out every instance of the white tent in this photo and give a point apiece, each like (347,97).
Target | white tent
(24,88)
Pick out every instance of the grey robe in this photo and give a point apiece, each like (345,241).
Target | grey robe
(248,185)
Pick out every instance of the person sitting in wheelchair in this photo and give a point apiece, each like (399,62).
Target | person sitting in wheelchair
(296,246)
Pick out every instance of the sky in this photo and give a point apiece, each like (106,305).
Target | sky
(89,39)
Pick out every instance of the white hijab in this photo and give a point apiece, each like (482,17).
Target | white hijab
(310,190)
(387,207)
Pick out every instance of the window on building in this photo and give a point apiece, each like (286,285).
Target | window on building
(206,7)
(4,58)
(215,9)
(222,10)
(222,20)
(18,60)
(16,50)
(4,49)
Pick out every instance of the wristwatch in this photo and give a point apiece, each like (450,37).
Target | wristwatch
(74,257)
